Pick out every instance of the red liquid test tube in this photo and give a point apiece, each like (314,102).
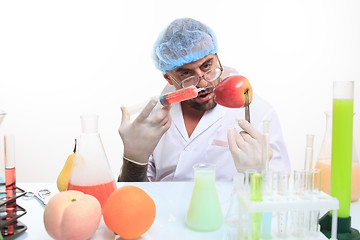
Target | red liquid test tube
(10,181)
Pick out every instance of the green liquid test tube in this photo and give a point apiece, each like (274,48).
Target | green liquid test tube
(341,158)
(256,181)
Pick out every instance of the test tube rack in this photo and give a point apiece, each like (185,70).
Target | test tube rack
(290,203)
(5,219)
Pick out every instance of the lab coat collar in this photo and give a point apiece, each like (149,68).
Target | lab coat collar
(209,118)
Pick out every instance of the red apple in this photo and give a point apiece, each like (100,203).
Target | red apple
(72,215)
(231,91)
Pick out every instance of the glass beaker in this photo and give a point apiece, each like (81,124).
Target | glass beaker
(324,162)
(204,213)
(91,173)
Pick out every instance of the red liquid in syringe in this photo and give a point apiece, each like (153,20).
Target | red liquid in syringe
(179,96)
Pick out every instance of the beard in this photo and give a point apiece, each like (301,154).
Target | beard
(204,106)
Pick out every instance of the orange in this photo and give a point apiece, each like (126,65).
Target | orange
(129,212)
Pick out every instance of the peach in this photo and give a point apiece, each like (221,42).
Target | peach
(72,215)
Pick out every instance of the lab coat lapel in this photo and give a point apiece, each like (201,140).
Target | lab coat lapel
(209,118)
(178,120)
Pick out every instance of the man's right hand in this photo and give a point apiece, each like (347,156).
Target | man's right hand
(141,136)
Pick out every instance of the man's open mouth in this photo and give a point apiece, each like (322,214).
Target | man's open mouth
(204,94)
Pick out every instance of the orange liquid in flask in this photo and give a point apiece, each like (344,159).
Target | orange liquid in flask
(325,168)
(101,191)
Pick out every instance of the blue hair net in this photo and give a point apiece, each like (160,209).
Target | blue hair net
(185,40)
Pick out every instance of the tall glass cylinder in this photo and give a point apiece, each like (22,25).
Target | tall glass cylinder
(341,154)
(204,213)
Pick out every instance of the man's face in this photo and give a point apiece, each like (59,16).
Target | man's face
(205,100)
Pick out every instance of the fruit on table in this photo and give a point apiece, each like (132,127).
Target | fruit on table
(231,91)
(63,178)
(129,212)
(72,215)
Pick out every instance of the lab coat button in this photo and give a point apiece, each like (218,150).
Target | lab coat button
(187,148)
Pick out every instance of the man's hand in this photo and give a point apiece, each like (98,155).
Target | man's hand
(247,146)
(141,136)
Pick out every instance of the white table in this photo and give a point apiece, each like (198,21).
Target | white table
(172,200)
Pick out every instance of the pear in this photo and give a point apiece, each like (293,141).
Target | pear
(64,176)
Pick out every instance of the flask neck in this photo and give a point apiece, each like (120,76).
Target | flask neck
(204,175)
(89,123)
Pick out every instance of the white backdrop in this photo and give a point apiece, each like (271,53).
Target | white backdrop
(59,59)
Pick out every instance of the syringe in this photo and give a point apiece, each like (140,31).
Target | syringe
(170,98)
(179,95)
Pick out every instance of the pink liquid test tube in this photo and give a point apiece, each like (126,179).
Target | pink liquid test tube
(10,181)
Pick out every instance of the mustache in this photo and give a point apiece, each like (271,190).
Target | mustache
(207,89)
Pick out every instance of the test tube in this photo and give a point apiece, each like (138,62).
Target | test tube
(282,191)
(268,195)
(315,181)
(256,195)
(315,191)
(267,180)
(233,216)
(266,147)
(299,217)
(248,174)
(10,182)
(309,152)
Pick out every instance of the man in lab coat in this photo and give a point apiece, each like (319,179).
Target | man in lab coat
(164,144)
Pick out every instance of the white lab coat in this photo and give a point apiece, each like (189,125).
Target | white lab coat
(176,153)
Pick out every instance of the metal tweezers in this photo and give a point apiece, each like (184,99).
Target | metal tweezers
(247,108)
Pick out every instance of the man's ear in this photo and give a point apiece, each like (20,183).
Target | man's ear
(166,76)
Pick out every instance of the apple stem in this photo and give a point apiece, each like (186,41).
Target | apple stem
(246,93)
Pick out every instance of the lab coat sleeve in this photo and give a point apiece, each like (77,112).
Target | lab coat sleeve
(151,170)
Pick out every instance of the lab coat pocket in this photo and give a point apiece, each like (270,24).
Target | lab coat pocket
(217,149)
(217,145)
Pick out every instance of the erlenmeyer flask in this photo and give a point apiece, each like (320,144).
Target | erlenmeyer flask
(91,173)
(204,213)
(324,162)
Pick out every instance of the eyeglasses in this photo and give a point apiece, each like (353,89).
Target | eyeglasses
(209,76)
